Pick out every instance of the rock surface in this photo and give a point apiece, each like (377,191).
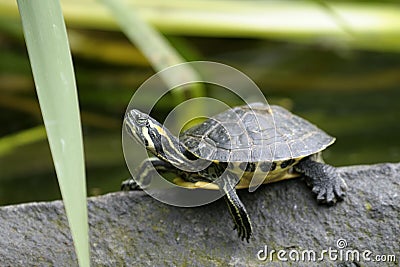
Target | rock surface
(133,229)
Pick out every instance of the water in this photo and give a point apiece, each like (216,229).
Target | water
(351,95)
(364,123)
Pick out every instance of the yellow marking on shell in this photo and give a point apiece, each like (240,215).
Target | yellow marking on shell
(276,175)
(206,185)
(245,180)
(179,181)
(190,185)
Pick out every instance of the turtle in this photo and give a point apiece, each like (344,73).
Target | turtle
(255,139)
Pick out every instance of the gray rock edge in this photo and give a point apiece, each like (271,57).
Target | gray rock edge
(133,229)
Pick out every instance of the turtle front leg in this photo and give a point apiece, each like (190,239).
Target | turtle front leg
(236,208)
(324,180)
(144,173)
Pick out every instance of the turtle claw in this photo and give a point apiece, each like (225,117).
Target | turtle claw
(129,185)
(324,180)
(329,191)
(242,233)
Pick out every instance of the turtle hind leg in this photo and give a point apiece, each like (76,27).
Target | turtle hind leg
(324,180)
(237,210)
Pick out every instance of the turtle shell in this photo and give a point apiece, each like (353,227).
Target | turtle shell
(255,133)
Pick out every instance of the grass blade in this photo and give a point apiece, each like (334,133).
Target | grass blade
(51,63)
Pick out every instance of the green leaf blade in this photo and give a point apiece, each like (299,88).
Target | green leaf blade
(52,68)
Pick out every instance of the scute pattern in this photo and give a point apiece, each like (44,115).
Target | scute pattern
(253,134)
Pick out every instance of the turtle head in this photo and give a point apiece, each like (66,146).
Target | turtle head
(157,139)
(145,130)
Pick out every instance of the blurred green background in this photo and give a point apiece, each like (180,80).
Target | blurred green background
(344,77)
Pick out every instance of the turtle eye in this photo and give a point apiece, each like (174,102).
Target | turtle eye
(141,120)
